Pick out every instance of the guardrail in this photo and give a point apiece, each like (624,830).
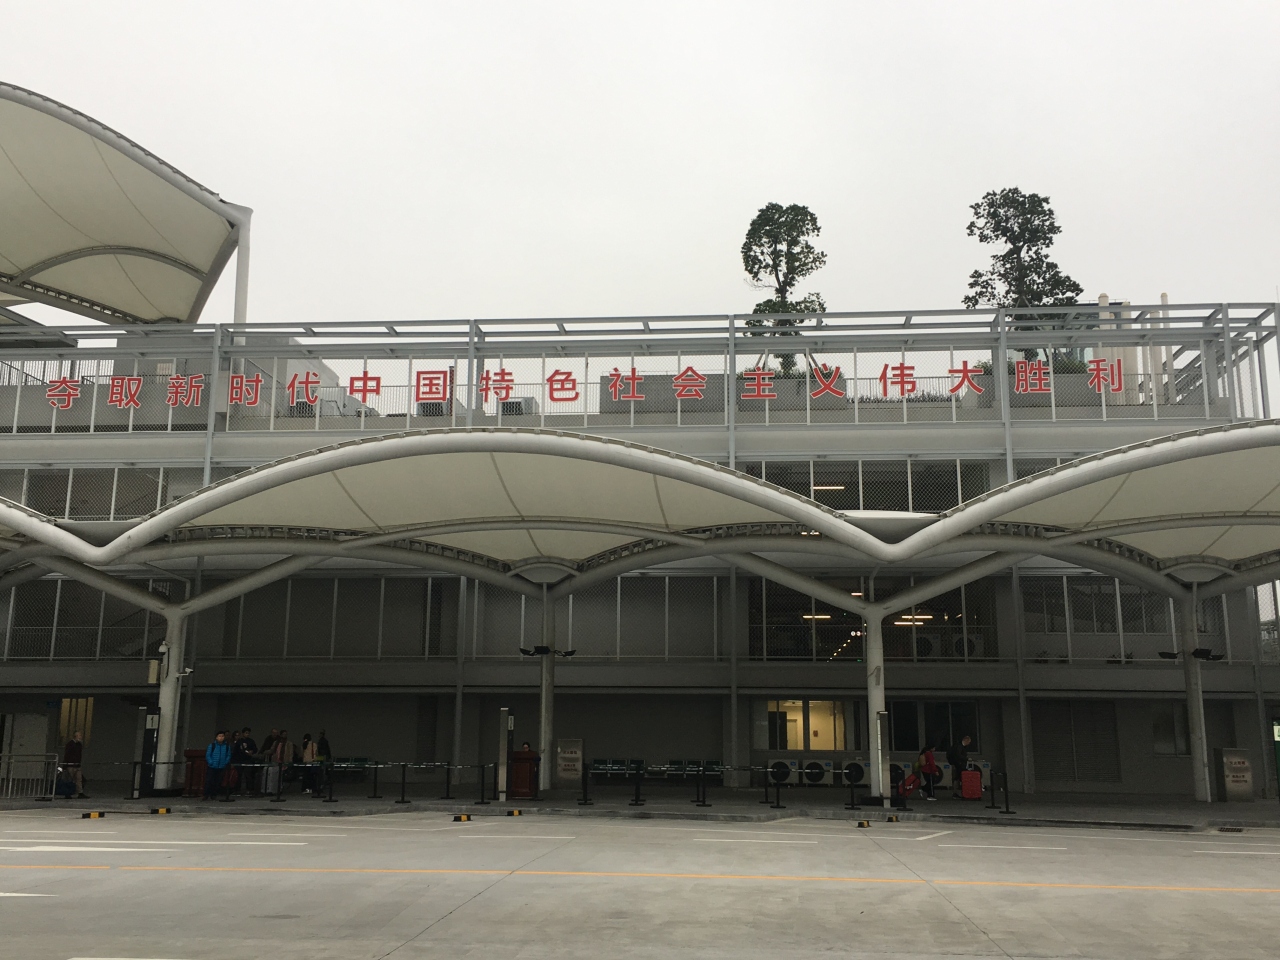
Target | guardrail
(28,776)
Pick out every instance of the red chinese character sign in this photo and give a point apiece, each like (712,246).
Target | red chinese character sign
(562,387)
(185,391)
(632,380)
(828,379)
(965,375)
(689,384)
(901,376)
(759,384)
(1104,373)
(304,388)
(500,383)
(244,390)
(365,386)
(432,386)
(123,392)
(62,392)
(1031,376)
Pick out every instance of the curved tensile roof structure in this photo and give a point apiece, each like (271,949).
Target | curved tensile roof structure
(93,223)
(523,507)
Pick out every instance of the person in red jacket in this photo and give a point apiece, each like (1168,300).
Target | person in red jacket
(929,771)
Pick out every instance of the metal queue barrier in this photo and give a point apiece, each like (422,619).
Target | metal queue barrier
(267,780)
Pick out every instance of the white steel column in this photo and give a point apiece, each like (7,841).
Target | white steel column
(873,628)
(240,314)
(1188,628)
(170,687)
(546,693)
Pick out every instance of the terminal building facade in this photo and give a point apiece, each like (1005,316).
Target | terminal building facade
(1067,663)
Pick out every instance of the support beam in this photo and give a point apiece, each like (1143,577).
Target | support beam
(547,693)
(873,630)
(170,689)
(1189,631)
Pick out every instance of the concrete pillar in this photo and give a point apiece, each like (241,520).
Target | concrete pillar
(731,776)
(170,690)
(547,693)
(1187,627)
(456,753)
(874,630)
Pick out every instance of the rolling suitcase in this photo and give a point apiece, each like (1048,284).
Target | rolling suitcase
(971,784)
(909,785)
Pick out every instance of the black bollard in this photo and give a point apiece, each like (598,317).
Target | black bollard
(329,799)
(637,802)
(766,786)
(375,795)
(1004,775)
(777,803)
(404,776)
(482,800)
(448,783)
(586,800)
(993,805)
(279,797)
(702,786)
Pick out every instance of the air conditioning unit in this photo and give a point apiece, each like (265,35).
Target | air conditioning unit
(783,771)
(856,771)
(520,406)
(817,772)
(433,408)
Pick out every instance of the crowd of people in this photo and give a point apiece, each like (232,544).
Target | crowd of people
(234,761)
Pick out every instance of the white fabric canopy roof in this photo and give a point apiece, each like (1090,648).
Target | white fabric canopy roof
(93,223)
(1209,499)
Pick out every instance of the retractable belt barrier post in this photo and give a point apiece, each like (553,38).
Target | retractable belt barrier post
(636,801)
(329,798)
(481,767)
(586,800)
(279,798)
(448,782)
(404,776)
(1004,776)
(853,795)
(993,805)
(227,786)
(375,795)
(777,790)
(701,800)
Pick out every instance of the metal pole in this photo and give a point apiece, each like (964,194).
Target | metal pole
(546,692)
(212,418)
(733,676)
(1024,711)
(1001,379)
(874,629)
(1187,614)
(170,686)
(240,314)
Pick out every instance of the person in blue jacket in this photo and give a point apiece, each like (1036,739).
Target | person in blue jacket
(217,758)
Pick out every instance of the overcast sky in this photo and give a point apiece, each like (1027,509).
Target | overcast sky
(423,160)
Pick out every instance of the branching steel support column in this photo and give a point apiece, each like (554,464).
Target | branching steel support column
(547,693)
(170,688)
(874,636)
(1187,626)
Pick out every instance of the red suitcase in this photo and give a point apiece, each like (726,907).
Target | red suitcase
(971,784)
(909,786)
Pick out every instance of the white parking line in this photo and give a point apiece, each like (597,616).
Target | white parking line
(1243,853)
(499,836)
(181,843)
(52,849)
(994,846)
(60,831)
(744,840)
(286,834)
(28,894)
(930,836)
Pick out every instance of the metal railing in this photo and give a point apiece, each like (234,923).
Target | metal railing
(28,776)
(1084,362)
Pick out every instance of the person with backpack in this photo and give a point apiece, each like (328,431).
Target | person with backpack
(244,756)
(217,758)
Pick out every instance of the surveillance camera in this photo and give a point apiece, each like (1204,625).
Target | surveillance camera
(163,648)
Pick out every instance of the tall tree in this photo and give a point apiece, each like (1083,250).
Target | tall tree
(1020,275)
(777,255)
